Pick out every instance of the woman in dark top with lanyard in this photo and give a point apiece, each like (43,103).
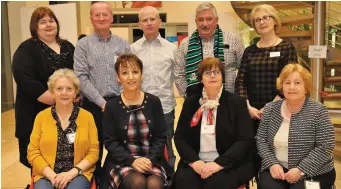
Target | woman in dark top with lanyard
(34,62)
(262,63)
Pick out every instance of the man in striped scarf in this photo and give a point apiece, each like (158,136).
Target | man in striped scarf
(208,40)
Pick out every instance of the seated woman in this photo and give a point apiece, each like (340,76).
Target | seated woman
(214,136)
(296,138)
(63,147)
(134,132)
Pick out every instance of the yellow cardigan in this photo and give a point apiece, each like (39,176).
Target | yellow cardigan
(42,149)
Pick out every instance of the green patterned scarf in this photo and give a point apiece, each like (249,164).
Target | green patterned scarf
(195,55)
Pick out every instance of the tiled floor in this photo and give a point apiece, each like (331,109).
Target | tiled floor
(16,176)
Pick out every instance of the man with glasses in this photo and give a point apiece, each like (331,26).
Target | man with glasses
(157,56)
(95,56)
(207,41)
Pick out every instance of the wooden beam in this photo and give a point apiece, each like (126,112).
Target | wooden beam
(297,19)
(295,34)
(279,5)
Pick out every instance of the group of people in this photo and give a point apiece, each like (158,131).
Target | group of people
(233,127)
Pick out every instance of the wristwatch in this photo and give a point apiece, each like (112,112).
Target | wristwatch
(80,171)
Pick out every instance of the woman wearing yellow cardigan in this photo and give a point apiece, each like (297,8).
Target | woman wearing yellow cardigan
(63,146)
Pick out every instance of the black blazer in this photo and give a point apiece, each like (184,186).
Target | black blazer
(234,133)
(31,72)
(115,122)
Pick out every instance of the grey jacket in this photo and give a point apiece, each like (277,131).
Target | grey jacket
(311,138)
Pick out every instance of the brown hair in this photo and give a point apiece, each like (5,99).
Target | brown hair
(38,14)
(291,68)
(126,60)
(209,63)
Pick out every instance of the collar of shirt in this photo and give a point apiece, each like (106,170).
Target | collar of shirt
(158,39)
(205,40)
(103,40)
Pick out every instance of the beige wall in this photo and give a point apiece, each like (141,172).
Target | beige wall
(175,13)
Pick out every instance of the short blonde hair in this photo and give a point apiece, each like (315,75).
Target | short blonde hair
(64,72)
(291,68)
(268,9)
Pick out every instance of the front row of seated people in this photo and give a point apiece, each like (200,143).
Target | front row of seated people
(214,136)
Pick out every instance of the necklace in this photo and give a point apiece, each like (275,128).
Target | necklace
(268,46)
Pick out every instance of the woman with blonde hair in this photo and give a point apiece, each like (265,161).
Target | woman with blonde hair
(296,138)
(262,63)
(63,148)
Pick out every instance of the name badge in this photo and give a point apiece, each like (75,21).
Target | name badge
(309,184)
(71,137)
(207,129)
(275,54)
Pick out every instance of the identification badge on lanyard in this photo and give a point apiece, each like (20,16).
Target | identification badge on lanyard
(71,137)
(310,184)
(275,54)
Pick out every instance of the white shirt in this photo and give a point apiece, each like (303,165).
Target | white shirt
(281,140)
(208,150)
(158,69)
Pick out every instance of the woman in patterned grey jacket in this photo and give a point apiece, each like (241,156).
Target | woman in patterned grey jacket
(296,138)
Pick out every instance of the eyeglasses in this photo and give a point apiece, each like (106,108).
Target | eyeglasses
(265,19)
(209,72)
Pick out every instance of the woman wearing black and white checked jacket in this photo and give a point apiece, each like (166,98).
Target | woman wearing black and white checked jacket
(296,138)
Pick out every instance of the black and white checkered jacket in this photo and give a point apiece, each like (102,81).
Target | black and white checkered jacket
(311,138)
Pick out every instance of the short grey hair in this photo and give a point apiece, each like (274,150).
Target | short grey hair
(207,6)
(149,7)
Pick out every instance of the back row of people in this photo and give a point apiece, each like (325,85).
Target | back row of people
(101,81)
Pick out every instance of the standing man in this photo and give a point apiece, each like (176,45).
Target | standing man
(95,56)
(208,40)
(157,56)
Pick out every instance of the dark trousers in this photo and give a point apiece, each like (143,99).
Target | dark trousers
(97,113)
(187,178)
(257,162)
(23,144)
(267,182)
(169,119)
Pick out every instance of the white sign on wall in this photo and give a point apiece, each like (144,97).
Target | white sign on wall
(317,51)
(66,15)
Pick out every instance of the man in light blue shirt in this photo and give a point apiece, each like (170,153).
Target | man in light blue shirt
(94,63)
(157,56)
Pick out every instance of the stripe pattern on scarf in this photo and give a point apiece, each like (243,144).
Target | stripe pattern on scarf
(195,55)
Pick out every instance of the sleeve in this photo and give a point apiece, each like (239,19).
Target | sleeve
(112,143)
(241,80)
(324,144)
(179,69)
(186,152)
(159,141)
(82,70)
(24,73)
(239,49)
(245,140)
(34,155)
(127,47)
(263,145)
(93,152)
